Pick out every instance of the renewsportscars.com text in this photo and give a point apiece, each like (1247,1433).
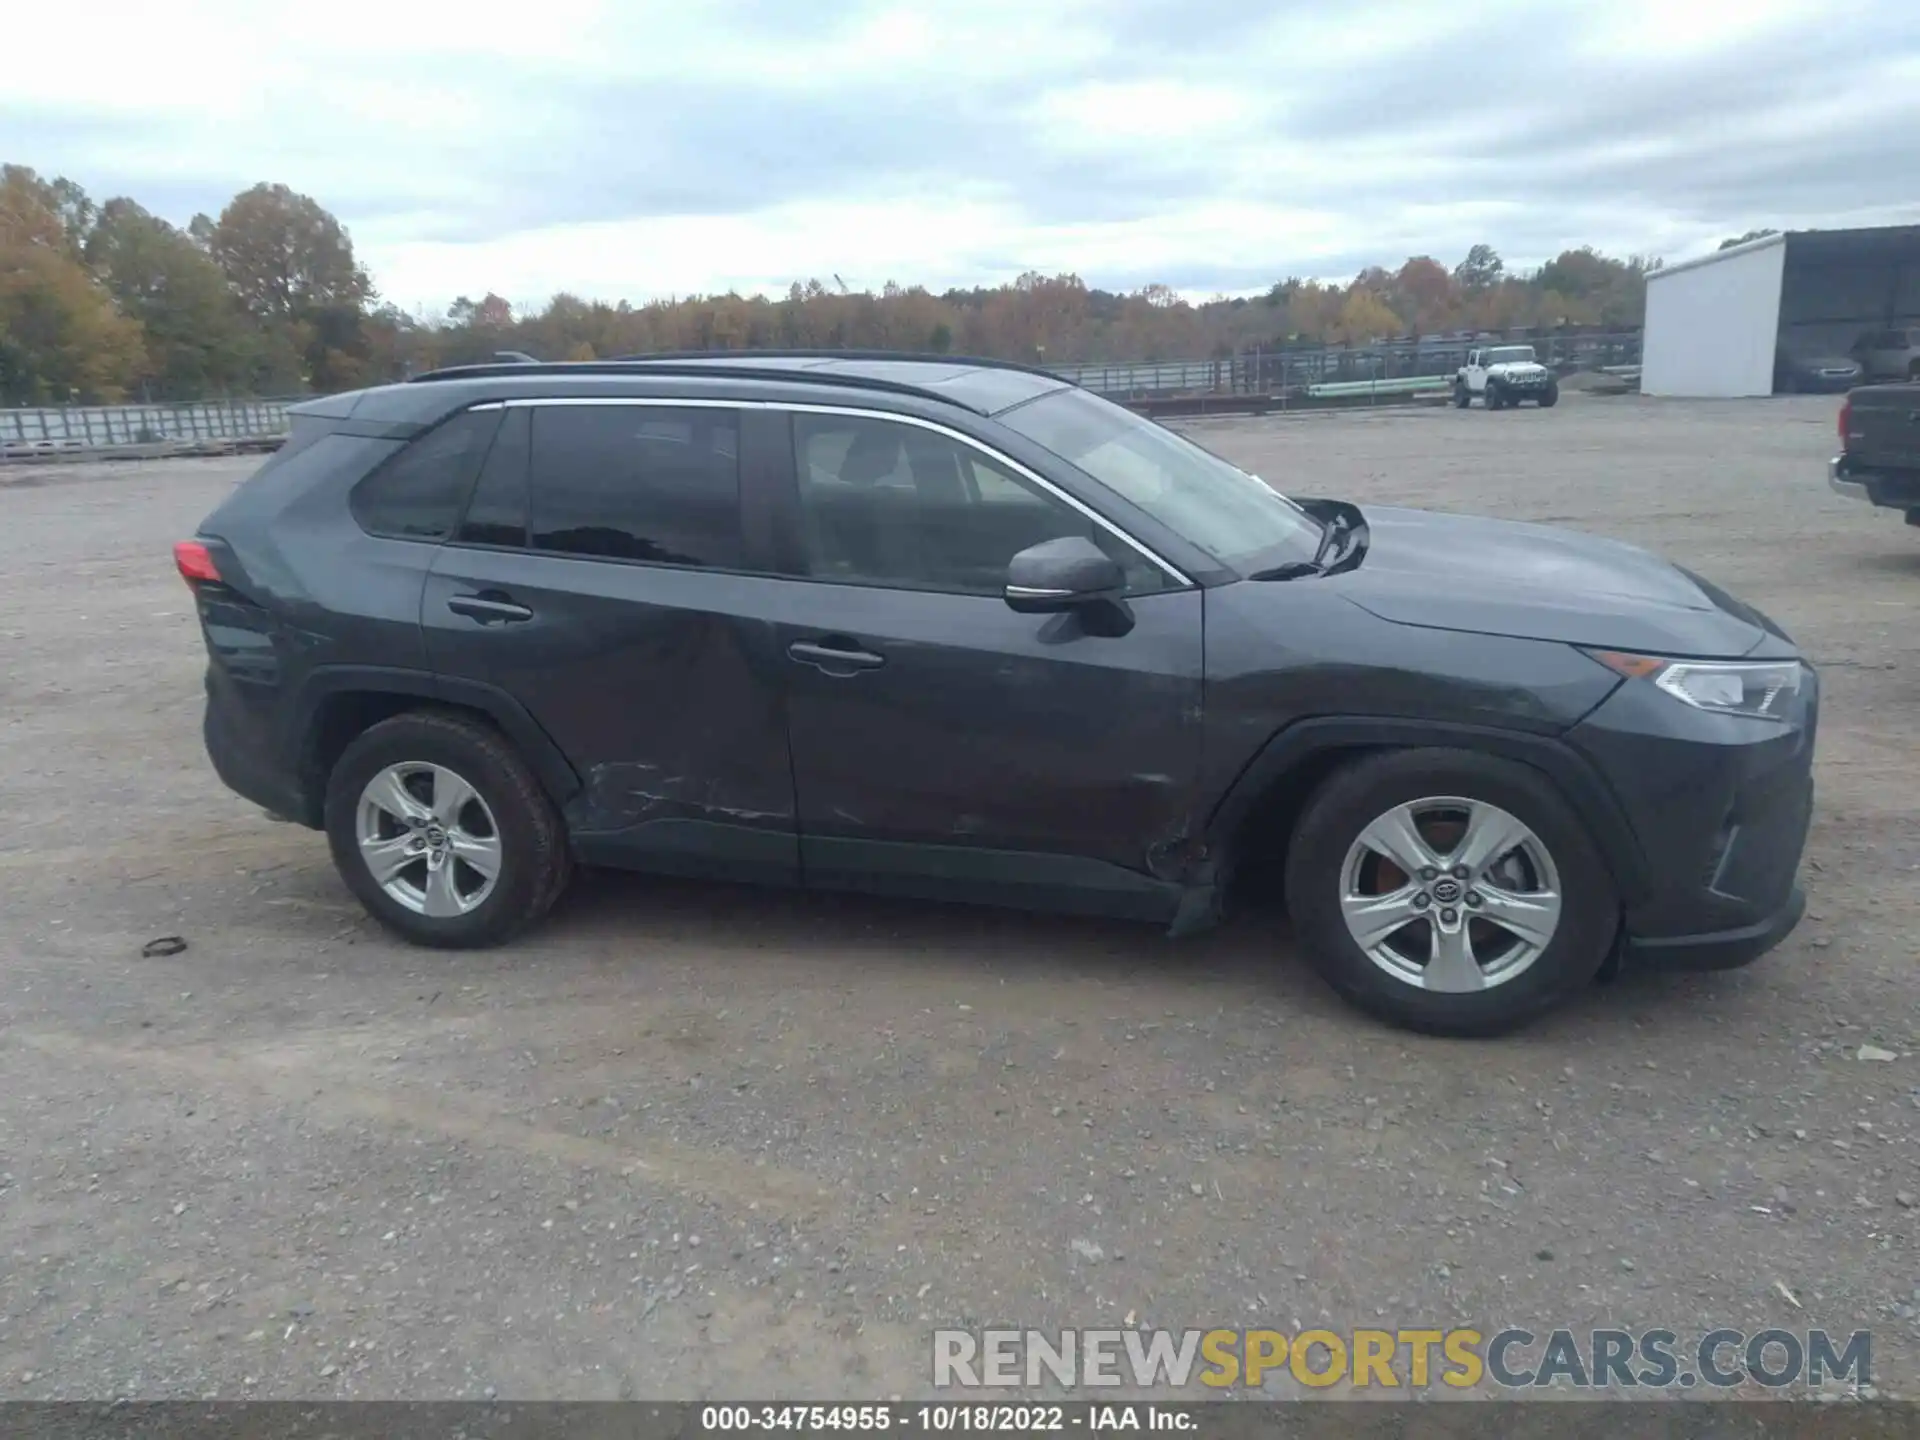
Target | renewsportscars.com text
(1512,1359)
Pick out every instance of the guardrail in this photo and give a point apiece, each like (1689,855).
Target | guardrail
(105,431)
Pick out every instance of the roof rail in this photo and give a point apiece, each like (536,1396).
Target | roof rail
(921,356)
(837,379)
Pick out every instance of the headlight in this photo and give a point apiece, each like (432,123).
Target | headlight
(1760,688)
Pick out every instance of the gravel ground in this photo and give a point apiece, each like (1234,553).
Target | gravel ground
(696,1141)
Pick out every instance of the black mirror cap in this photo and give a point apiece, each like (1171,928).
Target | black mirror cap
(1062,574)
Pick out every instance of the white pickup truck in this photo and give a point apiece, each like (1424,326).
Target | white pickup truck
(1503,375)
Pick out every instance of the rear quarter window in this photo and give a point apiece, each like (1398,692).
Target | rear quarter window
(420,492)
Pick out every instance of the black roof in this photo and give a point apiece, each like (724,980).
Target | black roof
(983,386)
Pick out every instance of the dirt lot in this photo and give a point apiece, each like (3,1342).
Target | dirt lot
(699,1141)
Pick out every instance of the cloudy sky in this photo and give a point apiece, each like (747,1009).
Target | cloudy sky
(628,148)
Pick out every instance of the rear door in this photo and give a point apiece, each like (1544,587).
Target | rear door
(944,744)
(602,578)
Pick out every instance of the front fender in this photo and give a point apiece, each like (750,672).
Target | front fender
(1301,743)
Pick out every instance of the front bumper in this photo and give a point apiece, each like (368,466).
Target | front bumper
(1720,806)
(1717,949)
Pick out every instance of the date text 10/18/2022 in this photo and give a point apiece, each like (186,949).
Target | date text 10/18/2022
(947,1418)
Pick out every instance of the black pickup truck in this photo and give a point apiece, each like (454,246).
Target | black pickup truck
(1879,459)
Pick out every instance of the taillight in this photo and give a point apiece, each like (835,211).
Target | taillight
(195,563)
(1846,420)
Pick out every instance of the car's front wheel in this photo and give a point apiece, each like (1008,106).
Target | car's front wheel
(1495,396)
(1550,396)
(1449,891)
(442,832)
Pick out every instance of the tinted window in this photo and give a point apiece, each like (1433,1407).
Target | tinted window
(497,514)
(418,493)
(896,505)
(635,482)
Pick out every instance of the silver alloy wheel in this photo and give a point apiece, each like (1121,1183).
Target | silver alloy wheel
(428,839)
(1450,895)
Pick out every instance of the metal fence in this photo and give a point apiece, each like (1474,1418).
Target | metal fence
(1294,370)
(1283,375)
(200,426)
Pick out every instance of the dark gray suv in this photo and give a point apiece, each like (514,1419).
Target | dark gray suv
(960,630)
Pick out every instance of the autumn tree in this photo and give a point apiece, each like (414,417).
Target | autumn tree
(1422,294)
(61,337)
(1364,316)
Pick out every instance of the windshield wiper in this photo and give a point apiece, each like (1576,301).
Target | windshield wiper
(1292,570)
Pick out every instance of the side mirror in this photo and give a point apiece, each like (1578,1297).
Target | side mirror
(1064,574)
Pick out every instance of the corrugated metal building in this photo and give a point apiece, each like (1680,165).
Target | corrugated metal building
(1719,325)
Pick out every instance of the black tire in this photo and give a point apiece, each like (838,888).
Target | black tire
(1549,397)
(1462,396)
(535,863)
(1496,398)
(1353,797)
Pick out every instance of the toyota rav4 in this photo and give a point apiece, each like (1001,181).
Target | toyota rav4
(961,630)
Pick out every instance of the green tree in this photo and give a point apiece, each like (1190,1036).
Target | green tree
(1743,239)
(197,340)
(1480,271)
(284,255)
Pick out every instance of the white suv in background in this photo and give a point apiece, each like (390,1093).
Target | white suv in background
(1890,354)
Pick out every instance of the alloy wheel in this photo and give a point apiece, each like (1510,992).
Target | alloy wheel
(428,839)
(1450,895)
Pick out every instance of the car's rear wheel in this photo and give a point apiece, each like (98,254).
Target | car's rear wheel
(1449,891)
(442,832)
(1462,396)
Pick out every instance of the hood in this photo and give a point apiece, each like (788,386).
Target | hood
(1536,582)
(1517,367)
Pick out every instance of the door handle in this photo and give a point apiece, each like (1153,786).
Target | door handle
(834,659)
(489,608)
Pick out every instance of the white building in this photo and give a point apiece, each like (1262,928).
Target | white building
(1715,325)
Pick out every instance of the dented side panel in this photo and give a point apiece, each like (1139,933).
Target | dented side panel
(660,686)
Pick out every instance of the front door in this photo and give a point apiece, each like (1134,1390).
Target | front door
(599,579)
(942,743)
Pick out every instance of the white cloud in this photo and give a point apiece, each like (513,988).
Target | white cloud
(639,148)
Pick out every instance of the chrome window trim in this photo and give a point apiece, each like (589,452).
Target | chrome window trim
(703,402)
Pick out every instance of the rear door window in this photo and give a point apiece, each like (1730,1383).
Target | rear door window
(637,482)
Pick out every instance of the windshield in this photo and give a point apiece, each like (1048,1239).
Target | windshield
(1226,512)
(1509,354)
